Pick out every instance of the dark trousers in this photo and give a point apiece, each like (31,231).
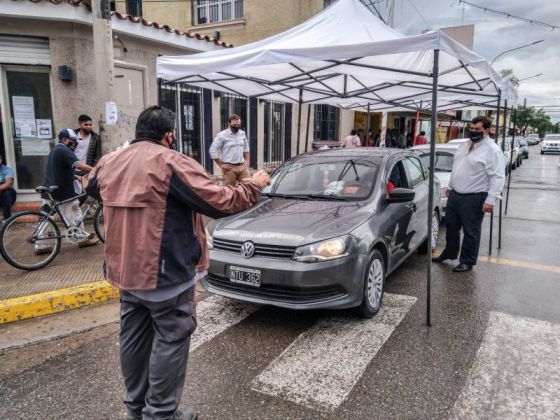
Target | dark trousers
(464,211)
(154,348)
(7,198)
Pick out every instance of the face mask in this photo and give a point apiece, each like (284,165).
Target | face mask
(72,145)
(234,128)
(476,136)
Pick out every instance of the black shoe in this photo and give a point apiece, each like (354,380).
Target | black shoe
(440,259)
(188,414)
(462,268)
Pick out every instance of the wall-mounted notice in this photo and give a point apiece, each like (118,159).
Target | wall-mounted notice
(24,116)
(44,129)
(35,147)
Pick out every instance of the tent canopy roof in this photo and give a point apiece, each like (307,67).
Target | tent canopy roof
(344,56)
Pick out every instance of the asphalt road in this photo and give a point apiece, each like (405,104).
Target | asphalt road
(492,351)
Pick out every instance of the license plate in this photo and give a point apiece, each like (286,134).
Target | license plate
(248,276)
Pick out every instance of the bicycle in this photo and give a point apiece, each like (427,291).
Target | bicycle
(24,232)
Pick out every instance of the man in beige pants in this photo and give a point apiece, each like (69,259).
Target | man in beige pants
(230,151)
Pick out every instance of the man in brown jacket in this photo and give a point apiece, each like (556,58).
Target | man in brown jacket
(155,250)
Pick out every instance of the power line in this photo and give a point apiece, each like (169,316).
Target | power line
(509,15)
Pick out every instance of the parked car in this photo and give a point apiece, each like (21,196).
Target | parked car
(550,144)
(443,165)
(532,139)
(524,148)
(515,152)
(327,231)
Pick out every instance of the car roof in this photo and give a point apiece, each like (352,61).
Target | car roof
(375,155)
(440,147)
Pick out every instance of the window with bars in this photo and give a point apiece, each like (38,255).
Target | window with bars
(326,123)
(134,7)
(233,104)
(212,11)
(274,115)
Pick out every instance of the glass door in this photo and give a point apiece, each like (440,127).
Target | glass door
(28,117)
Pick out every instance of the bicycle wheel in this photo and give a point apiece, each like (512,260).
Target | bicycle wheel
(99,223)
(29,240)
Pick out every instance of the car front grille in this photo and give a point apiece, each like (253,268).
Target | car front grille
(266,251)
(284,294)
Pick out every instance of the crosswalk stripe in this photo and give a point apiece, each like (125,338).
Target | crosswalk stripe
(516,373)
(215,315)
(320,368)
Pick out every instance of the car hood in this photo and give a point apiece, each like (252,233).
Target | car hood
(293,222)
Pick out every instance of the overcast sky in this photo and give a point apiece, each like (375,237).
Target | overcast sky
(495,33)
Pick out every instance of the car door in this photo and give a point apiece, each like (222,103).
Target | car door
(417,180)
(397,216)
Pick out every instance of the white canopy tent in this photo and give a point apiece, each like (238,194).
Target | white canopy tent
(344,56)
(347,57)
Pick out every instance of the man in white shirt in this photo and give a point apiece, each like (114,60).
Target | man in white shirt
(476,184)
(88,149)
(230,151)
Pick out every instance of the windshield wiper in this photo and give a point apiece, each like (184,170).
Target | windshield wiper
(328,197)
(278,195)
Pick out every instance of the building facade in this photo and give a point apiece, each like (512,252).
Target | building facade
(47,77)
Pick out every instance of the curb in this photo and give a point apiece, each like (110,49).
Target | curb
(55,301)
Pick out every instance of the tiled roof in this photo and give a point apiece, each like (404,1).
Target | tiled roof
(142,21)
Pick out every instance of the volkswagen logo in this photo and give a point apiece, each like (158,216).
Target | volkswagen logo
(248,249)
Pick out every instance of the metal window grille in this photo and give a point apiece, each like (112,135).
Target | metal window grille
(234,104)
(274,122)
(134,7)
(186,101)
(326,122)
(211,11)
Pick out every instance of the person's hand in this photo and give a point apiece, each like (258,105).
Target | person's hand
(246,163)
(487,208)
(225,166)
(261,178)
(447,192)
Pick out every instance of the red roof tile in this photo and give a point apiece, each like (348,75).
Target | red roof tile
(142,21)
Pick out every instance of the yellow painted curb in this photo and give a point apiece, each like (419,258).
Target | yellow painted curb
(47,303)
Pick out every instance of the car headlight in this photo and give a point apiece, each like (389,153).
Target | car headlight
(323,251)
(209,239)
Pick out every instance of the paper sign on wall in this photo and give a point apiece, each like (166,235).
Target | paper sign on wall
(44,129)
(35,147)
(111,113)
(24,116)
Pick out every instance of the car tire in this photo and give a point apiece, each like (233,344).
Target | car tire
(542,153)
(423,248)
(374,285)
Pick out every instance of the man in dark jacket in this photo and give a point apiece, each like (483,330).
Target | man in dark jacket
(88,149)
(155,251)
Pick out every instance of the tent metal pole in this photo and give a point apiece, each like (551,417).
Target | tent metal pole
(497,136)
(307,128)
(367,127)
(299,121)
(435,74)
(502,201)
(511,158)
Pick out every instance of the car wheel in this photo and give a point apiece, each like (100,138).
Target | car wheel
(374,285)
(423,248)
(542,153)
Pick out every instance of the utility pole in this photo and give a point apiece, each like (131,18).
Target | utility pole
(104,71)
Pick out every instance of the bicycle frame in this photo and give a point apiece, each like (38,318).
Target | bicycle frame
(57,204)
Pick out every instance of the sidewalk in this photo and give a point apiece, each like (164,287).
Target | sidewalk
(72,280)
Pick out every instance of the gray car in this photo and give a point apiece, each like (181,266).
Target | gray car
(326,233)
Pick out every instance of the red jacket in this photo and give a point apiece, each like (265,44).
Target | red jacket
(153,199)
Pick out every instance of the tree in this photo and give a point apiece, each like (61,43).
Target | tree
(530,117)
(508,73)
(523,117)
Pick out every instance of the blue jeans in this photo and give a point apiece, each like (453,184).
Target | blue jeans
(7,198)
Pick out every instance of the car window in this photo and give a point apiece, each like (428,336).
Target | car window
(346,178)
(397,176)
(414,170)
(443,161)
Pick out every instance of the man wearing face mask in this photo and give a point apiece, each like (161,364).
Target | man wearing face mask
(230,151)
(476,183)
(61,164)
(154,198)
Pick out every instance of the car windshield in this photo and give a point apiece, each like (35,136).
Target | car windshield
(444,161)
(334,179)
(549,137)
(523,142)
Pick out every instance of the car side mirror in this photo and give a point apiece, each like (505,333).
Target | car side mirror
(401,195)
